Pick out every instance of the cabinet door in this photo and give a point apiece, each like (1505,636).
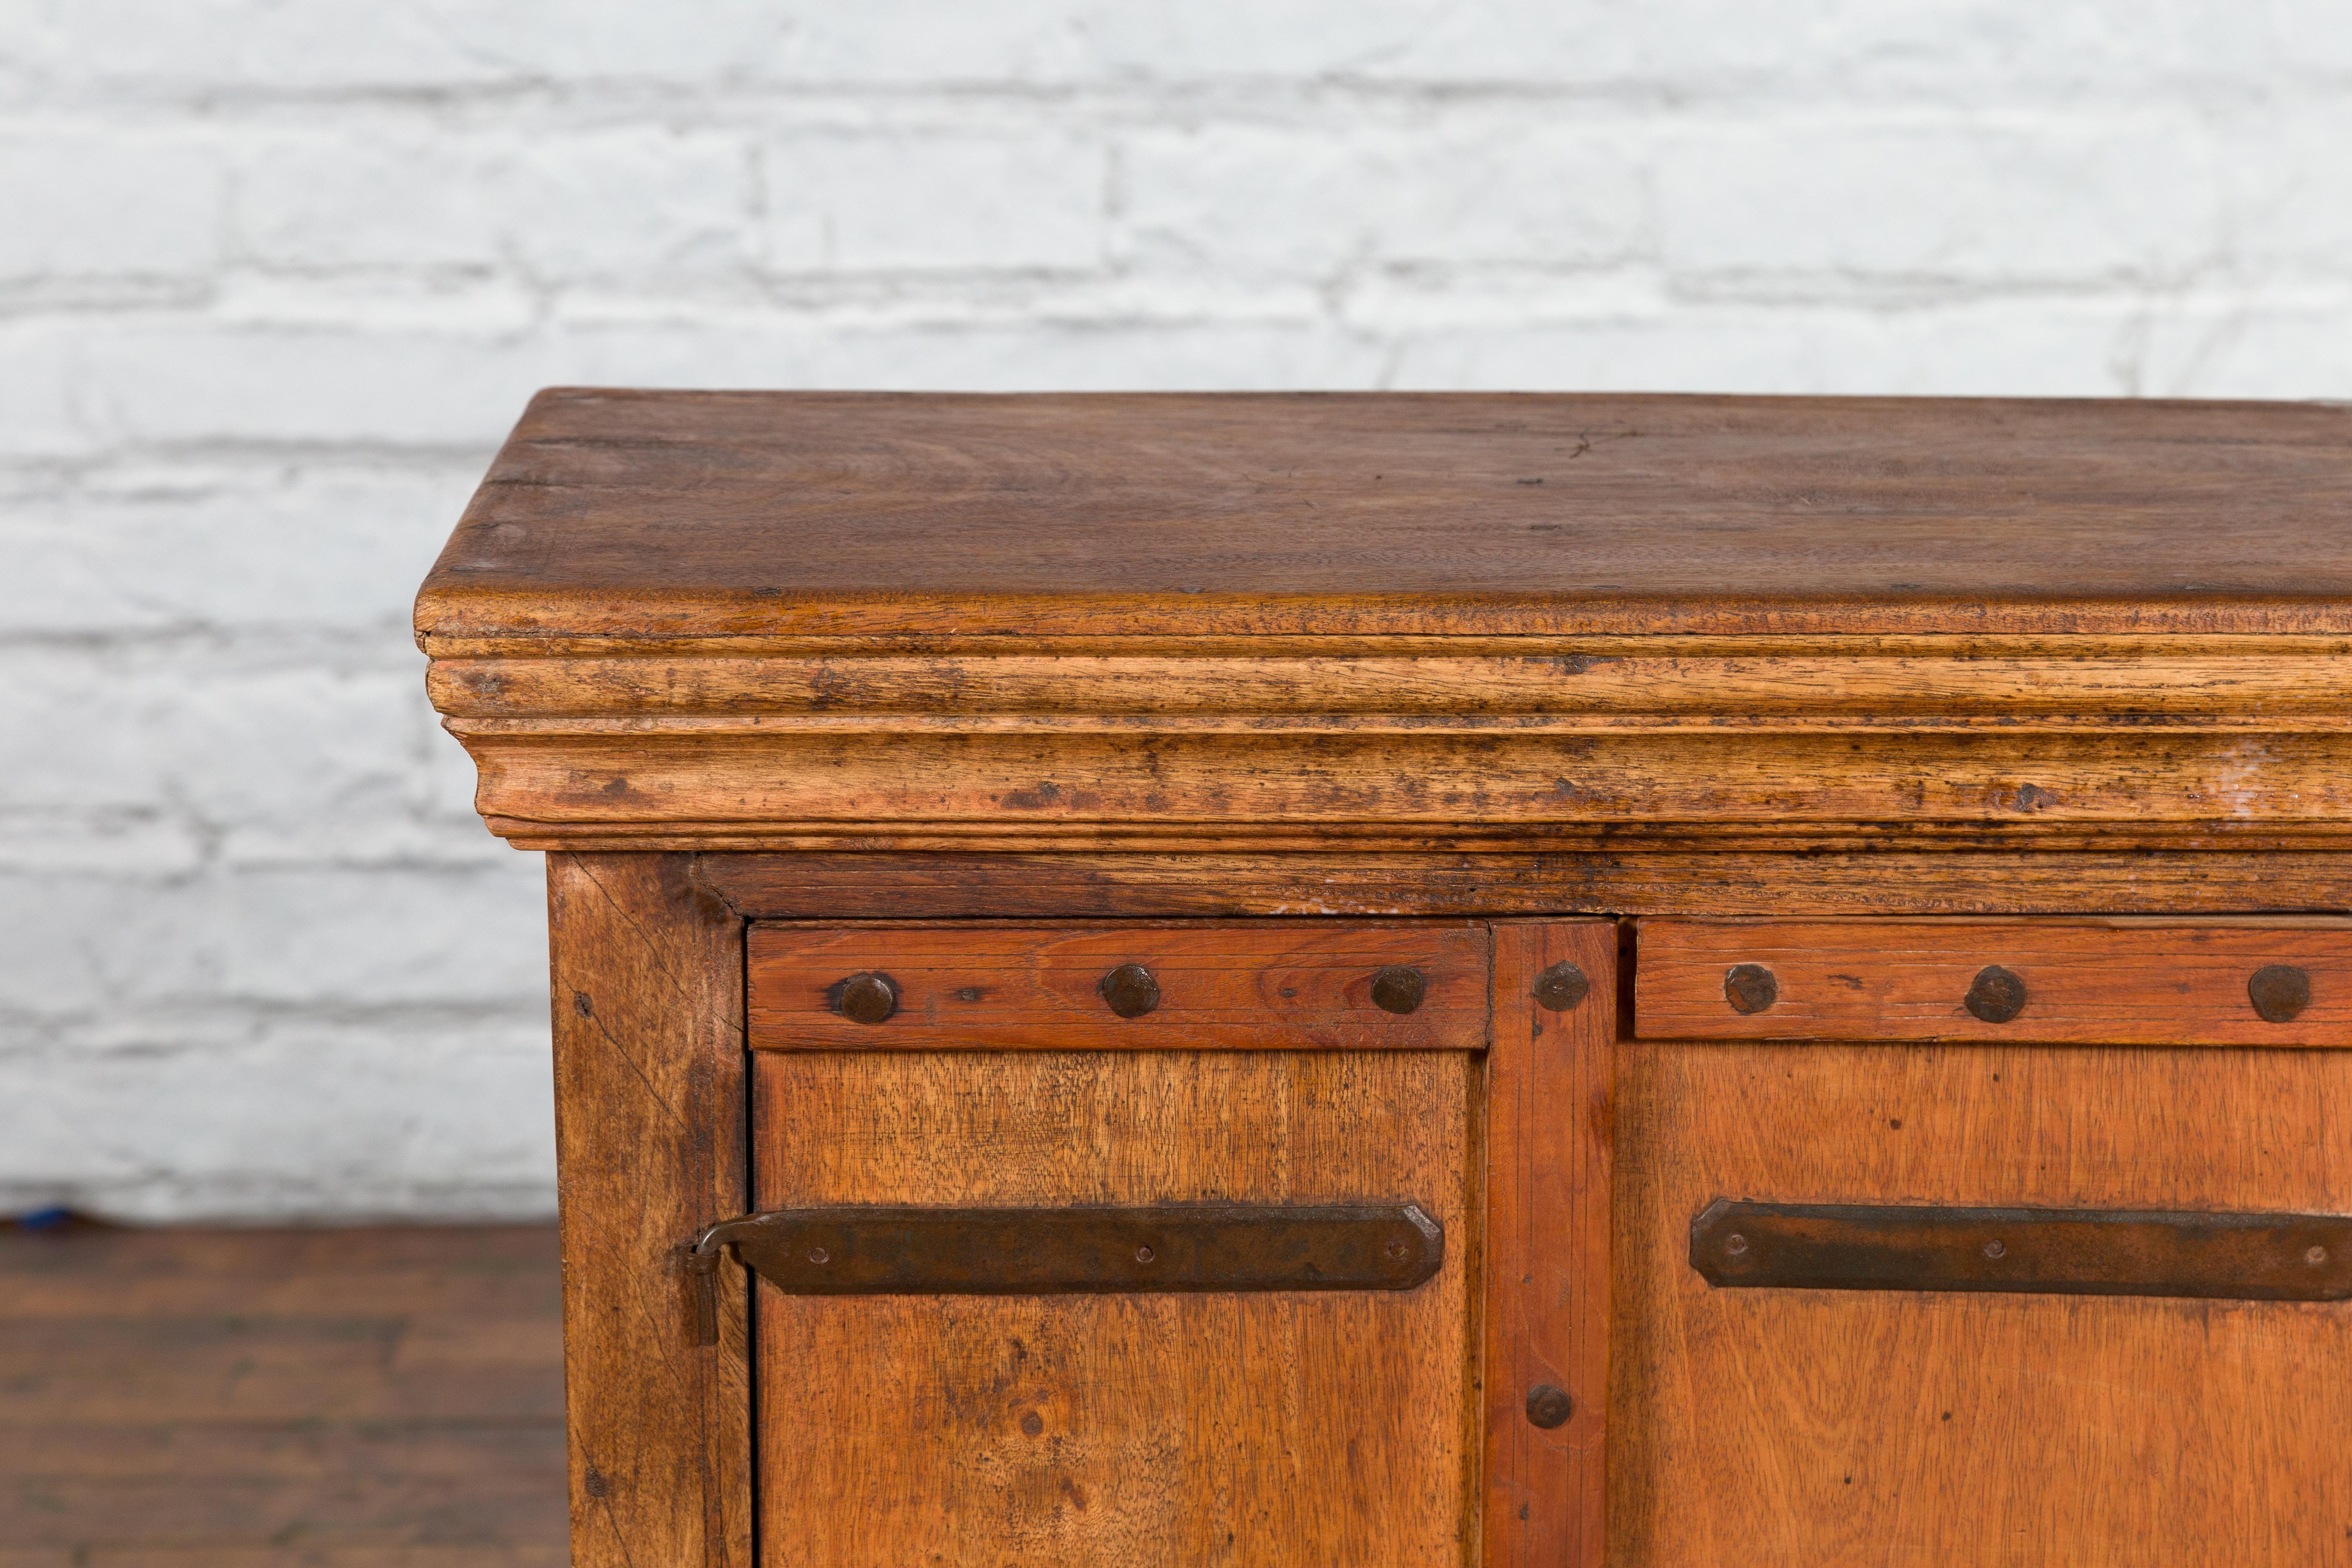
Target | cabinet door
(2043,1069)
(1278,1064)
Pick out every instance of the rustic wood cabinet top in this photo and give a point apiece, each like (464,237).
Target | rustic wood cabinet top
(1417,627)
(696,514)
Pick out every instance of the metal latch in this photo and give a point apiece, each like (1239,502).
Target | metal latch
(2063,1251)
(1063,1251)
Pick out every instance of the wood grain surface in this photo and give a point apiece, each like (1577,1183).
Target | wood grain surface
(1549,1084)
(384,1397)
(1832,1428)
(1286,984)
(1957,881)
(1782,680)
(1223,624)
(1251,787)
(2107,981)
(1126,1430)
(650,1145)
(698,514)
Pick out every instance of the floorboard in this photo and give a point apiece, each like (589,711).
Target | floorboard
(385,1397)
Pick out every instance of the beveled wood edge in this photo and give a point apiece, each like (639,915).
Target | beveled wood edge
(1671,644)
(1245,752)
(1503,842)
(2086,690)
(1604,683)
(448,609)
(827,887)
(1442,788)
(652,728)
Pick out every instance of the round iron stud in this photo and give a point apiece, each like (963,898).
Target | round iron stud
(1560,988)
(1996,996)
(1129,991)
(1399,988)
(1750,988)
(1549,1407)
(867,998)
(2280,992)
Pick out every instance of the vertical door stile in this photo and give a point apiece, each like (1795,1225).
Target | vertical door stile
(1549,1082)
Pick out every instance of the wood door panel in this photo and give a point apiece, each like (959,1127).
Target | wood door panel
(1833,1427)
(2093,982)
(1285,983)
(1126,1430)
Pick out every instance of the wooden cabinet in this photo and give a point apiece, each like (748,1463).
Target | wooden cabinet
(1500,980)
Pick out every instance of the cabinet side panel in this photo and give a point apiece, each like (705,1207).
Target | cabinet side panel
(1280,1429)
(1549,1086)
(1839,1428)
(647,981)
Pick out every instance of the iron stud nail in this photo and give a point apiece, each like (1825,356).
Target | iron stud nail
(1130,991)
(870,997)
(1996,996)
(2278,992)
(1549,1407)
(1399,988)
(1561,988)
(1750,988)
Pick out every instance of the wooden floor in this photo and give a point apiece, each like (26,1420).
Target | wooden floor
(379,1398)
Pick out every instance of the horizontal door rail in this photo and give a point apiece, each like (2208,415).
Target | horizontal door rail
(1275,985)
(2278,982)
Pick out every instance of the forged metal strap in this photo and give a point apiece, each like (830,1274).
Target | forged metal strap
(1062,1251)
(2076,1252)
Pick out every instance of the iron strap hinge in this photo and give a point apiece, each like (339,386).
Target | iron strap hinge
(1188,1248)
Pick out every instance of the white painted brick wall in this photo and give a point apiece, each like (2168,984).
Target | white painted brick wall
(275,274)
